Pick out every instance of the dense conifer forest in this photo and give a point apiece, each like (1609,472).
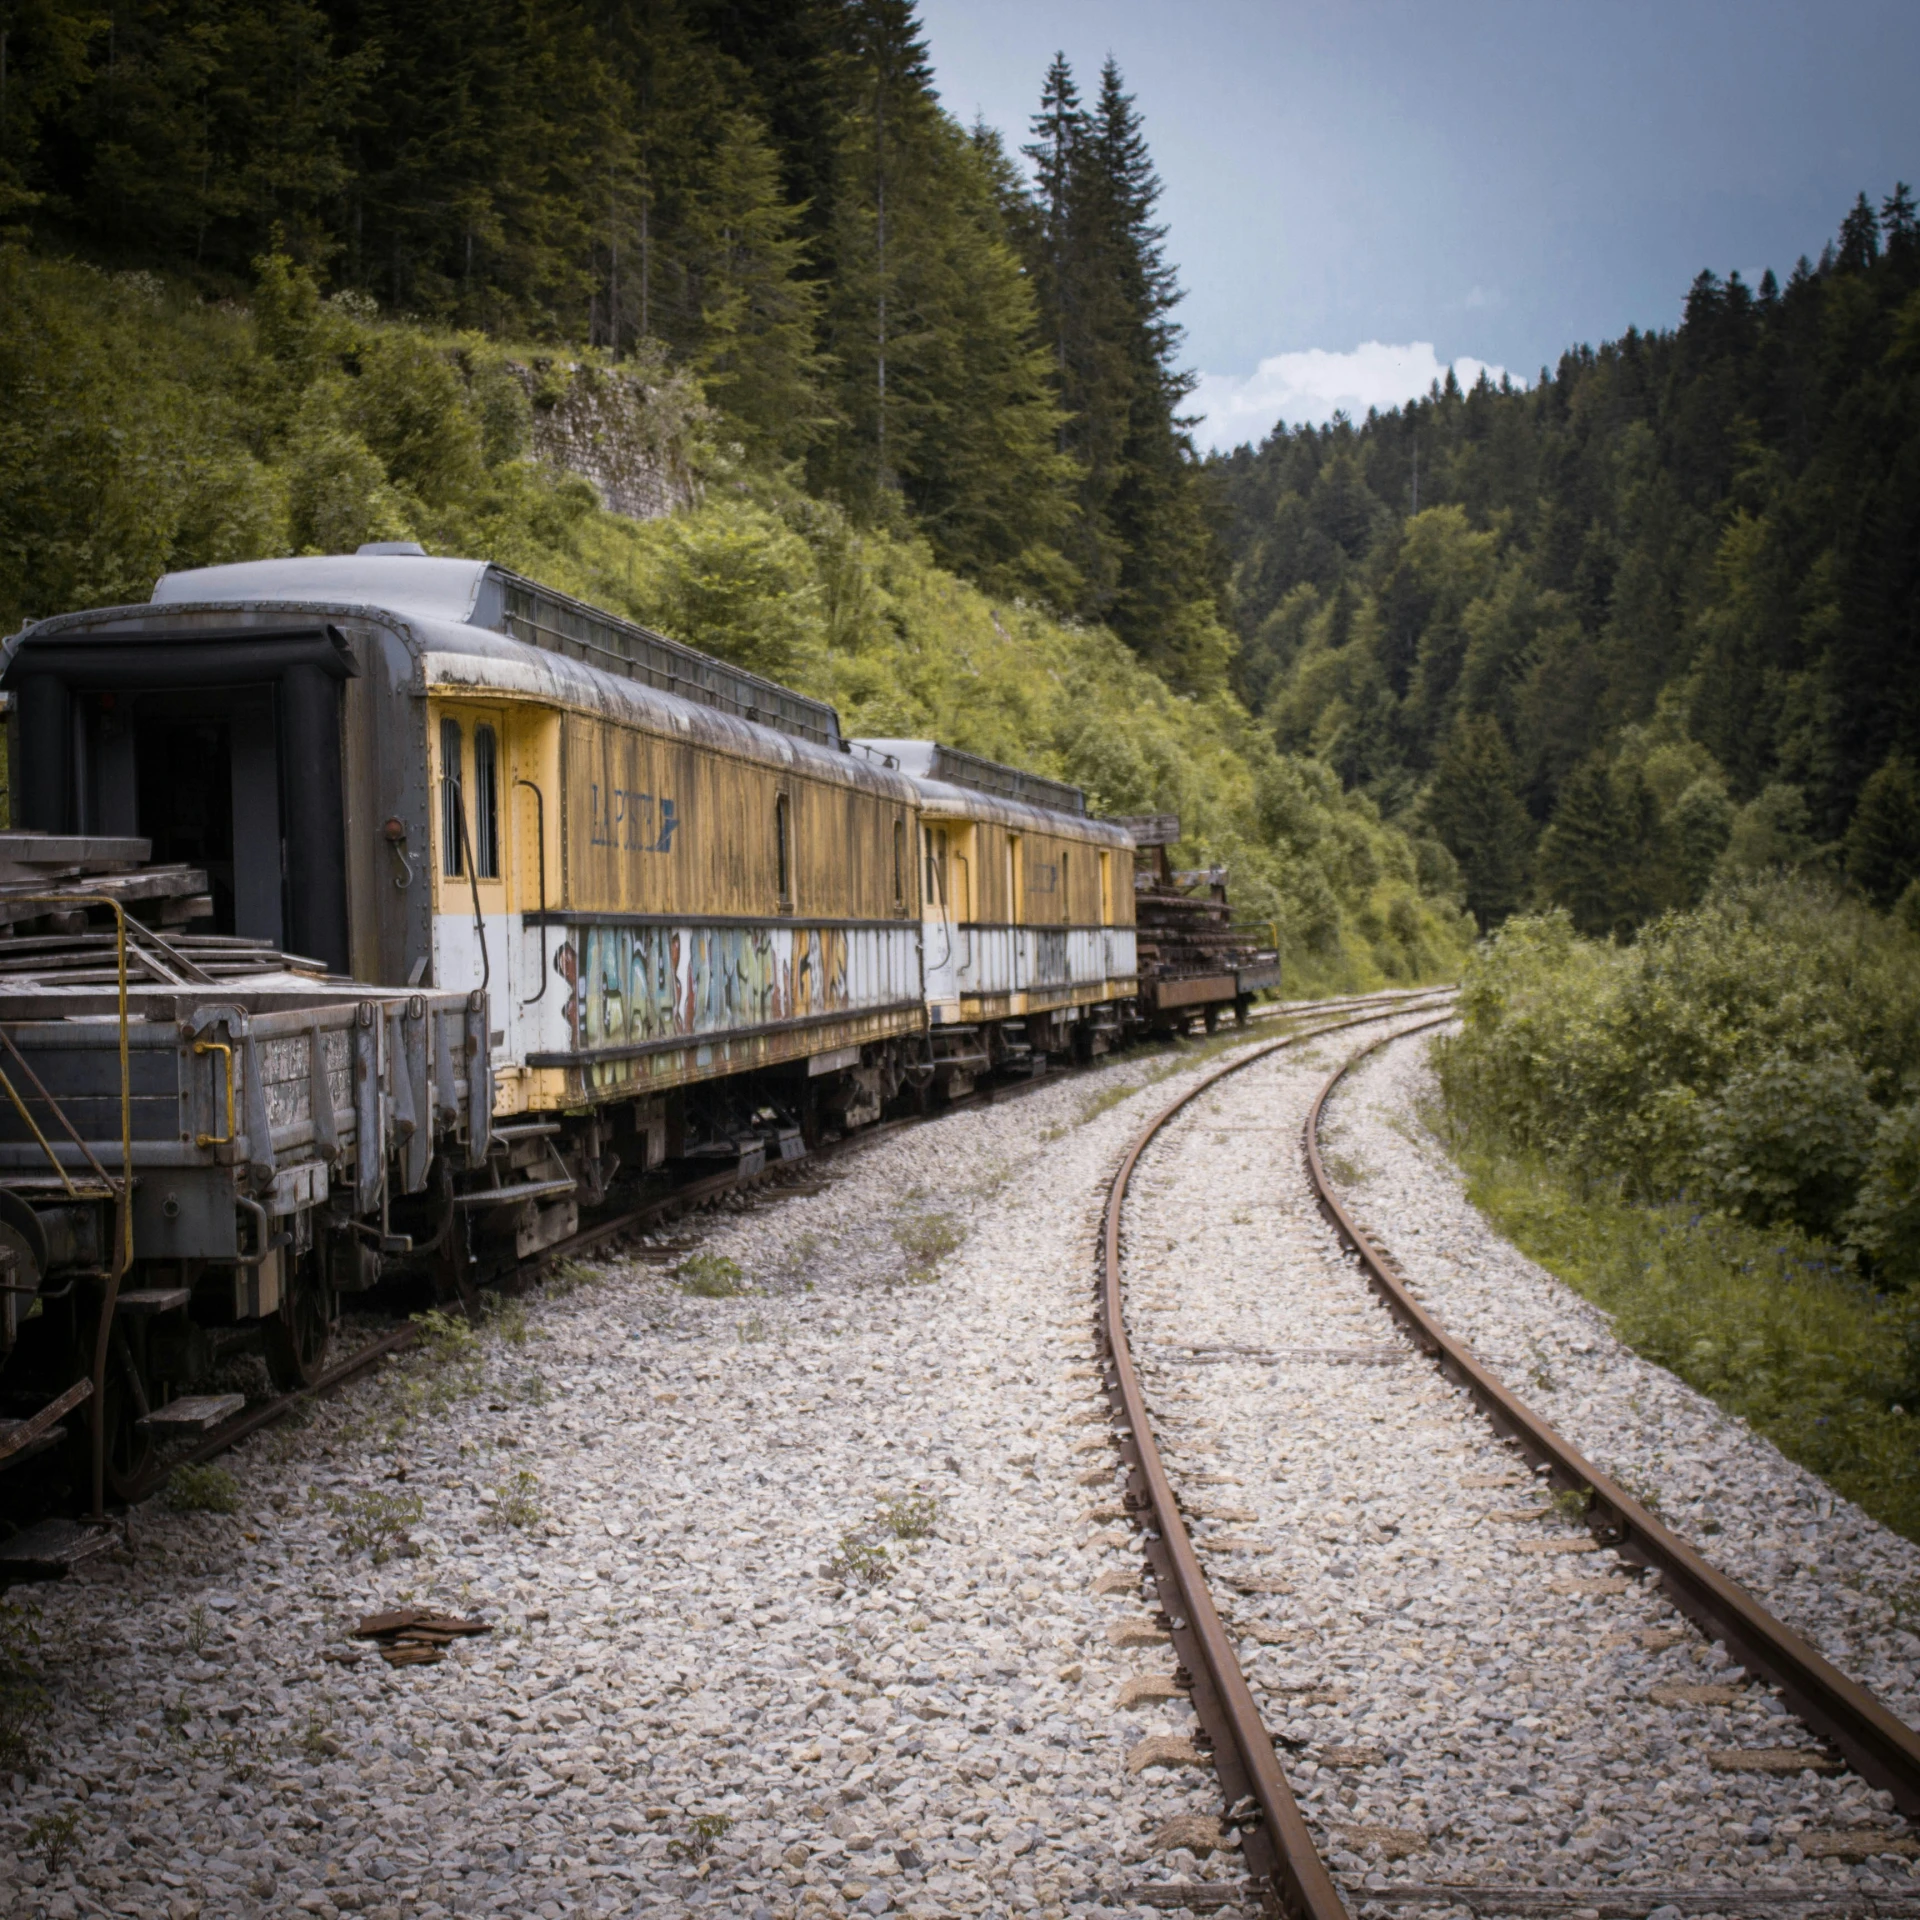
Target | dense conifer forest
(768,190)
(1653,619)
(707,312)
(1594,642)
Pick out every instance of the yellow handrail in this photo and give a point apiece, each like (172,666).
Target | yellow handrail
(218,1139)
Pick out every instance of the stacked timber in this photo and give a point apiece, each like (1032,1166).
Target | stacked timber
(1191,954)
(58,928)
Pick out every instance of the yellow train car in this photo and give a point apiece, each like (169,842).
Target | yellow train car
(1027,914)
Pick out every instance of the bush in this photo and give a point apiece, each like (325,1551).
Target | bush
(1787,1140)
(1744,1051)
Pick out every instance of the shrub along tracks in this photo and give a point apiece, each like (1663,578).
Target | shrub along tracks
(1390,1427)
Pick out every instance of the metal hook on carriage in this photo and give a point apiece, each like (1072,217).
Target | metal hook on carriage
(396,837)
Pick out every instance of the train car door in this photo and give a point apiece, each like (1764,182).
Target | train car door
(939,929)
(473,931)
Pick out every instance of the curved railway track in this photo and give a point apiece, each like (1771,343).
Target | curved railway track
(694,1194)
(1286,1871)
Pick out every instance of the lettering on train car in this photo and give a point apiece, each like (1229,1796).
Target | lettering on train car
(625,818)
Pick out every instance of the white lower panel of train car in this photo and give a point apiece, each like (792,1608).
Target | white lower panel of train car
(1042,967)
(618,1004)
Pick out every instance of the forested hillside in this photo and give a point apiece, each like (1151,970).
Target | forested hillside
(1654,619)
(768,192)
(708,313)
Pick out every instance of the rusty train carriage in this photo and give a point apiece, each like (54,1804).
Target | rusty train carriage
(667,897)
(578,901)
(1027,912)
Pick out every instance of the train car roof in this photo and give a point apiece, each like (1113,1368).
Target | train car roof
(474,629)
(963,784)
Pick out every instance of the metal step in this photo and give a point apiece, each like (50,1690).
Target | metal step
(525,1130)
(34,1444)
(153,1299)
(50,1549)
(193,1413)
(514,1195)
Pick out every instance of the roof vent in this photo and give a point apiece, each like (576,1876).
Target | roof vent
(411,547)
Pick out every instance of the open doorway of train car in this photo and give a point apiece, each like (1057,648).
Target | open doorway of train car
(207,793)
(222,748)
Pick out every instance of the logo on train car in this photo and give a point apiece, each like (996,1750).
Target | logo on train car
(628,819)
(1043,876)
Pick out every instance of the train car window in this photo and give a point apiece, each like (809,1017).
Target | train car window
(486,804)
(452,802)
(899,866)
(1106,889)
(1066,889)
(783,848)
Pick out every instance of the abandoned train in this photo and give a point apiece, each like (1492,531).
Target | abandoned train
(692,921)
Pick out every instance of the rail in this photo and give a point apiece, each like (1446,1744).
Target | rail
(1882,1749)
(1279,1851)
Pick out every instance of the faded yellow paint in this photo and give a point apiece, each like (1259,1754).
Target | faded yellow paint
(657,825)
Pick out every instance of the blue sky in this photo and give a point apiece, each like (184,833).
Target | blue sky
(1362,194)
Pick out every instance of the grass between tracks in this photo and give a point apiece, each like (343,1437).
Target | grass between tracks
(1771,1325)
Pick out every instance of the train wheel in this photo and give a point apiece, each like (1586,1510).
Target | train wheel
(130,1449)
(296,1337)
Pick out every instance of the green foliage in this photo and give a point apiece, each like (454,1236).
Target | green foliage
(1770,1324)
(909,1516)
(1695,544)
(1474,805)
(51,1836)
(169,434)
(1883,841)
(1758,1052)
(516,1501)
(712,1276)
(704,1832)
(203,1489)
(926,1239)
(376,1521)
(23,1694)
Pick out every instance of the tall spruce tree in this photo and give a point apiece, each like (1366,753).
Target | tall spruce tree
(1474,805)
(940,381)
(1142,539)
(758,312)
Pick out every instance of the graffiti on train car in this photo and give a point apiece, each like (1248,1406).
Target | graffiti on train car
(635,984)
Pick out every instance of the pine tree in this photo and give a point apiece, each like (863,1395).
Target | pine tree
(1164,596)
(1585,848)
(1474,806)
(758,314)
(1883,841)
(940,380)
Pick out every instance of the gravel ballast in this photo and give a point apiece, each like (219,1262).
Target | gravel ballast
(815,1597)
(792,1593)
(1463,1688)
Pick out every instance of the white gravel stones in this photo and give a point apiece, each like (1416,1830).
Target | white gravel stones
(1463,1694)
(681,1708)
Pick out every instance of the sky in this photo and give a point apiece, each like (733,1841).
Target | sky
(1360,195)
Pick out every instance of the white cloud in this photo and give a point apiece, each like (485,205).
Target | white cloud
(1309,388)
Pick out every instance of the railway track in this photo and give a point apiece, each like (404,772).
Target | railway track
(614,1227)
(1372,1403)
